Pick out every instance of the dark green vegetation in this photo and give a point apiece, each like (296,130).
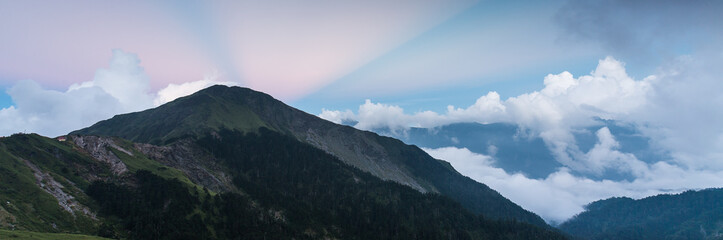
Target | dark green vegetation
(25,235)
(193,115)
(29,160)
(244,110)
(689,215)
(291,190)
(275,173)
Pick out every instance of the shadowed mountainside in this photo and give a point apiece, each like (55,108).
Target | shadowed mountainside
(242,109)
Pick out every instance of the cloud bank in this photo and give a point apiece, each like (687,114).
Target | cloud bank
(553,113)
(122,87)
(562,194)
(677,108)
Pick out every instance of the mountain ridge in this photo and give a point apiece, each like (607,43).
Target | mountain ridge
(110,187)
(383,157)
(687,215)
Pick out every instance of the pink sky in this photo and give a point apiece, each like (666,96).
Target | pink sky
(286,49)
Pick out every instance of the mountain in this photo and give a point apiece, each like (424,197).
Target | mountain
(688,215)
(42,182)
(244,110)
(515,151)
(235,167)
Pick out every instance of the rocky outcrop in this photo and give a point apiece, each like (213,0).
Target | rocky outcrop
(198,166)
(97,147)
(66,201)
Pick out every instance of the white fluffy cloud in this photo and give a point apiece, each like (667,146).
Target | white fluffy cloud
(121,88)
(565,104)
(678,108)
(124,80)
(561,195)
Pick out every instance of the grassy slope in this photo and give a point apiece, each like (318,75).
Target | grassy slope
(24,204)
(245,110)
(138,161)
(25,235)
(191,115)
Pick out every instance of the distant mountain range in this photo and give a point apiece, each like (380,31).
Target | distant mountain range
(516,151)
(230,162)
(688,215)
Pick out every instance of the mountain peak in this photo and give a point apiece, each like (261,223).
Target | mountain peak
(207,110)
(219,108)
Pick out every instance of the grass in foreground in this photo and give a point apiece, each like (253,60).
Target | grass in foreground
(25,235)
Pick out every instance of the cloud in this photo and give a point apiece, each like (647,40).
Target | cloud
(561,194)
(377,115)
(173,91)
(564,105)
(124,80)
(677,108)
(121,88)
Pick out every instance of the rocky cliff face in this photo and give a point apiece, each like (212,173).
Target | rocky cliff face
(200,167)
(60,192)
(98,148)
(196,164)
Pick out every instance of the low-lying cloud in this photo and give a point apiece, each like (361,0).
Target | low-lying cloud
(562,194)
(122,87)
(565,104)
(677,108)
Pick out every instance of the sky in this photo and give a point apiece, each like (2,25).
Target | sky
(552,67)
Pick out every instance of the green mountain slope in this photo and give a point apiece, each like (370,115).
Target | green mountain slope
(43,181)
(283,189)
(41,185)
(291,190)
(239,109)
(688,215)
(193,115)
(25,235)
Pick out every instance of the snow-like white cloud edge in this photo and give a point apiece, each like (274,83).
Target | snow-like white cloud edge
(561,194)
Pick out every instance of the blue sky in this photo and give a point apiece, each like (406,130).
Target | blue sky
(5,99)
(333,55)
(554,68)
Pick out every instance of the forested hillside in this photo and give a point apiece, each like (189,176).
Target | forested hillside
(688,215)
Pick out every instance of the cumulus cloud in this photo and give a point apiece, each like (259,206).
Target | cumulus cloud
(124,80)
(562,194)
(677,108)
(553,113)
(378,115)
(122,87)
(681,39)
